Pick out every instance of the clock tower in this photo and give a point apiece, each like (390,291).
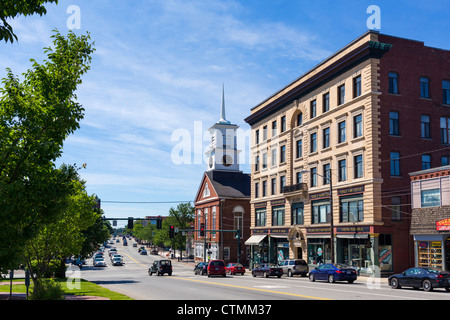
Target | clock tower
(223,153)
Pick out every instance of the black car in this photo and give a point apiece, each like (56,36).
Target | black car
(426,278)
(160,267)
(201,268)
(266,270)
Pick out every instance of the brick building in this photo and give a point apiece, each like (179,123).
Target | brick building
(332,151)
(223,199)
(430,220)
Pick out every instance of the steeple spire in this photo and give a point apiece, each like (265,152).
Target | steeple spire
(223,119)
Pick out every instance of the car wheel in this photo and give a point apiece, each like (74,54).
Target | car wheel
(351,281)
(331,278)
(266,275)
(395,284)
(253,274)
(426,285)
(149,273)
(170,273)
(290,273)
(447,289)
(311,277)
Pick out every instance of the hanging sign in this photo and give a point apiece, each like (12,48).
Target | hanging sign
(443,225)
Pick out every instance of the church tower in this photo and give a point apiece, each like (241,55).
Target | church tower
(223,154)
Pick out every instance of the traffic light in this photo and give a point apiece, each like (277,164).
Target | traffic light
(202,230)
(130,223)
(171,232)
(159,223)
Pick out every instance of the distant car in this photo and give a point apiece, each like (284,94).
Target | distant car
(116,255)
(99,262)
(233,268)
(135,245)
(117,262)
(216,267)
(333,272)
(112,251)
(140,249)
(294,266)
(143,252)
(425,278)
(267,270)
(200,268)
(160,267)
(154,252)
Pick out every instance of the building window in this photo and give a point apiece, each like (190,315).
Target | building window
(282,183)
(326,102)
(430,198)
(274,185)
(297,213)
(257,136)
(274,129)
(394,123)
(264,161)
(424,87)
(313,142)
(341,94)
(264,188)
(445,160)
(300,119)
(298,177)
(298,149)
(445,130)
(321,212)
(326,138)
(356,86)
(283,124)
(342,170)
(278,216)
(257,163)
(260,217)
(426,161)
(274,156)
(341,131)
(313,177)
(264,133)
(358,166)
(425,131)
(395,163)
(256,189)
(446,91)
(393,82)
(351,209)
(313,109)
(326,173)
(282,154)
(396,208)
(357,126)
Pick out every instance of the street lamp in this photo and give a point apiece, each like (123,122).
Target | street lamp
(331,211)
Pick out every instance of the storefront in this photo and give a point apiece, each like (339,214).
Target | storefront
(268,245)
(433,251)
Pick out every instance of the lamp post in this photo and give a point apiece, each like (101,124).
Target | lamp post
(331,211)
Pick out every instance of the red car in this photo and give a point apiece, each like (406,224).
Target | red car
(216,267)
(233,268)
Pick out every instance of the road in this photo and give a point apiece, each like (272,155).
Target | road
(132,280)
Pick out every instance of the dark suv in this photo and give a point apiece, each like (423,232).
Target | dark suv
(294,266)
(160,267)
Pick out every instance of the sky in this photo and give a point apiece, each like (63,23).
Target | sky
(156,79)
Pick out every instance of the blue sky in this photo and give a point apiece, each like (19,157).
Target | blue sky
(160,65)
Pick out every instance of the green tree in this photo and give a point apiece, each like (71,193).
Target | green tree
(10,9)
(36,116)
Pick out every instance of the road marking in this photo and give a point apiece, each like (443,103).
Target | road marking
(134,260)
(254,289)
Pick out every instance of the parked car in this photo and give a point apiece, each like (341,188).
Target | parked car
(333,272)
(294,266)
(200,268)
(233,268)
(154,252)
(267,270)
(140,249)
(425,278)
(143,252)
(160,267)
(216,267)
(99,262)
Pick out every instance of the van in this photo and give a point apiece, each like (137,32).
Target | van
(294,266)
(216,267)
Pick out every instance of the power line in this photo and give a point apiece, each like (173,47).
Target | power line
(144,202)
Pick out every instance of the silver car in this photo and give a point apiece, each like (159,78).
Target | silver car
(294,266)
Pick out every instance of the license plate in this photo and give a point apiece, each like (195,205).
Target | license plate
(349,272)
(217,268)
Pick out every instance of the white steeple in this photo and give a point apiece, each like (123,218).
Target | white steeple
(223,119)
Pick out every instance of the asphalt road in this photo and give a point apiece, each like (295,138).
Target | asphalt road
(133,280)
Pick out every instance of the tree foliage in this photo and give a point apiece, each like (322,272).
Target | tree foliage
(36,116)
(10,9)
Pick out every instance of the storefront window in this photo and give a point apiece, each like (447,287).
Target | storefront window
(319,251)
(430,254)
(385,252)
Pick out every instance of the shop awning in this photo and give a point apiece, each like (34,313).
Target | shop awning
(255,239)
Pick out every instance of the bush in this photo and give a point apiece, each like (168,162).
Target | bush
(47,290)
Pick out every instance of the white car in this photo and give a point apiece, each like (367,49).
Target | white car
(99,262)
(117,262)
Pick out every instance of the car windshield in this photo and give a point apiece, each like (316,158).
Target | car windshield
(342,266)
(165,263)
(237,265)
(217,263)
(300,262)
